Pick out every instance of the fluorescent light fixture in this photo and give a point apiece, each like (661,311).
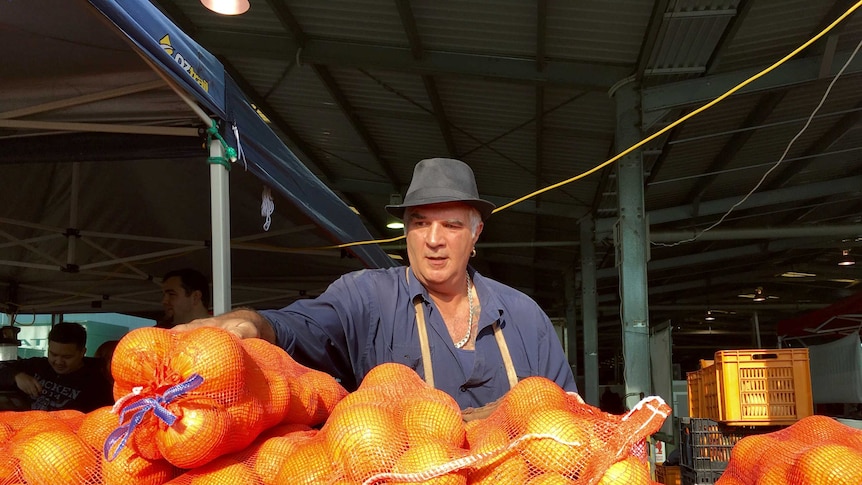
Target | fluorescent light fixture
(849,281)
(797,274)
(227,7)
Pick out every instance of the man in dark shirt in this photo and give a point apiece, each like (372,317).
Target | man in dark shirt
(439,316)
(65,379)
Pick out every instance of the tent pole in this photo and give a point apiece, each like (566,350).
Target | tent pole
(220,210)
(219,205)
(71,235)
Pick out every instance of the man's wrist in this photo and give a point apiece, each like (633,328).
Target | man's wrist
(264,327)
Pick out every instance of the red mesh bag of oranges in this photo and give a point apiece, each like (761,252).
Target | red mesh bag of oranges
(190,397)
(816,450)
(395,429)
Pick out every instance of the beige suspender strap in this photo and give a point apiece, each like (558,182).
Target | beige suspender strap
(426,349)
(423,335)
(507,359)
(423,342)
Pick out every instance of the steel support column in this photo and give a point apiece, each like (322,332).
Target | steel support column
(632,246)
(589,306)
(570,280)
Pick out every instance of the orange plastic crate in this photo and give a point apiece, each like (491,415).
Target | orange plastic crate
(758,387)
(669,475)
(695,394)
(696,399)
(710,393)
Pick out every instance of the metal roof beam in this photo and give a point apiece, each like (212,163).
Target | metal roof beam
(333,53)
(705,89)
(736,253)
(651,36)
(838,231)
(758,199)
(729,34)
(847,122)
(758,115)
(408,21)
(347,109)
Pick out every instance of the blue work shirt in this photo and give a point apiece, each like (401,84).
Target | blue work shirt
(367,317)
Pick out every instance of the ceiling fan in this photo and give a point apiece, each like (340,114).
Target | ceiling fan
(758,295)
(712,314)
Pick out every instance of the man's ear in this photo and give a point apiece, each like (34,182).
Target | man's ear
(197,296)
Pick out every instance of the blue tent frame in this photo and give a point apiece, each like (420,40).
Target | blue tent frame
(200,75)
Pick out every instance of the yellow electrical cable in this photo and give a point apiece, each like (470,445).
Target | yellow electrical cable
(649,138)
(688,116)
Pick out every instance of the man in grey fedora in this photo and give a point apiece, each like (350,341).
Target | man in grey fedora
(465,334)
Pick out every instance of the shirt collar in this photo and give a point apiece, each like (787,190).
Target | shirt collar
(491,307)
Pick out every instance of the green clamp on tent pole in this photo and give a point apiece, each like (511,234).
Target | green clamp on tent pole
(230,152)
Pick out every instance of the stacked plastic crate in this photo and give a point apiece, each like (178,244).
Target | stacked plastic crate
(740,393)
(668,475)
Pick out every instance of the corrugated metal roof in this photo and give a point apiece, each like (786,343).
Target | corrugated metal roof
(479,62)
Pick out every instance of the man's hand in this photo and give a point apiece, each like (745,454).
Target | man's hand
(242,323)
(483,412)
(28,384)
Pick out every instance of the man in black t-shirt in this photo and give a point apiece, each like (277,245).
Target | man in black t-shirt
(65,379)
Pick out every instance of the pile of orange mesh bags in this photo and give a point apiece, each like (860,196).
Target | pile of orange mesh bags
(395,429)
(816,450)
(206,408)
(182,401)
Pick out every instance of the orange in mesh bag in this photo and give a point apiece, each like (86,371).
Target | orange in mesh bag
(183,388)
(257,464)
(23,439)
(56,457)
(394,429)
(128,467)
(815,450)
(561,439)
(194,396)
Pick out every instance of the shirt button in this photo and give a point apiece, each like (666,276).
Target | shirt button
(463,388)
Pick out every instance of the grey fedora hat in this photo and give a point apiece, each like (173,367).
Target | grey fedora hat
(439,180)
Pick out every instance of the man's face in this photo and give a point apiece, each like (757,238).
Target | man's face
(439,243)
(177,304)
(65,358)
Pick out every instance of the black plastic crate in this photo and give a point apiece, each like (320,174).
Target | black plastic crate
(706,444)
(695,477)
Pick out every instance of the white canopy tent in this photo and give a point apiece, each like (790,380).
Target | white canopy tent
(105,183)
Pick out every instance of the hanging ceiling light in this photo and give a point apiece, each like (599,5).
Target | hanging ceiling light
(846,258)
(709,316)
(758,294)
(393,222)
(227,7)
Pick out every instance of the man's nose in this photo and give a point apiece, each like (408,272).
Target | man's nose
(434,237)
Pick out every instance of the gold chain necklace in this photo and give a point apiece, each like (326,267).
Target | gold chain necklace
(466,338)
